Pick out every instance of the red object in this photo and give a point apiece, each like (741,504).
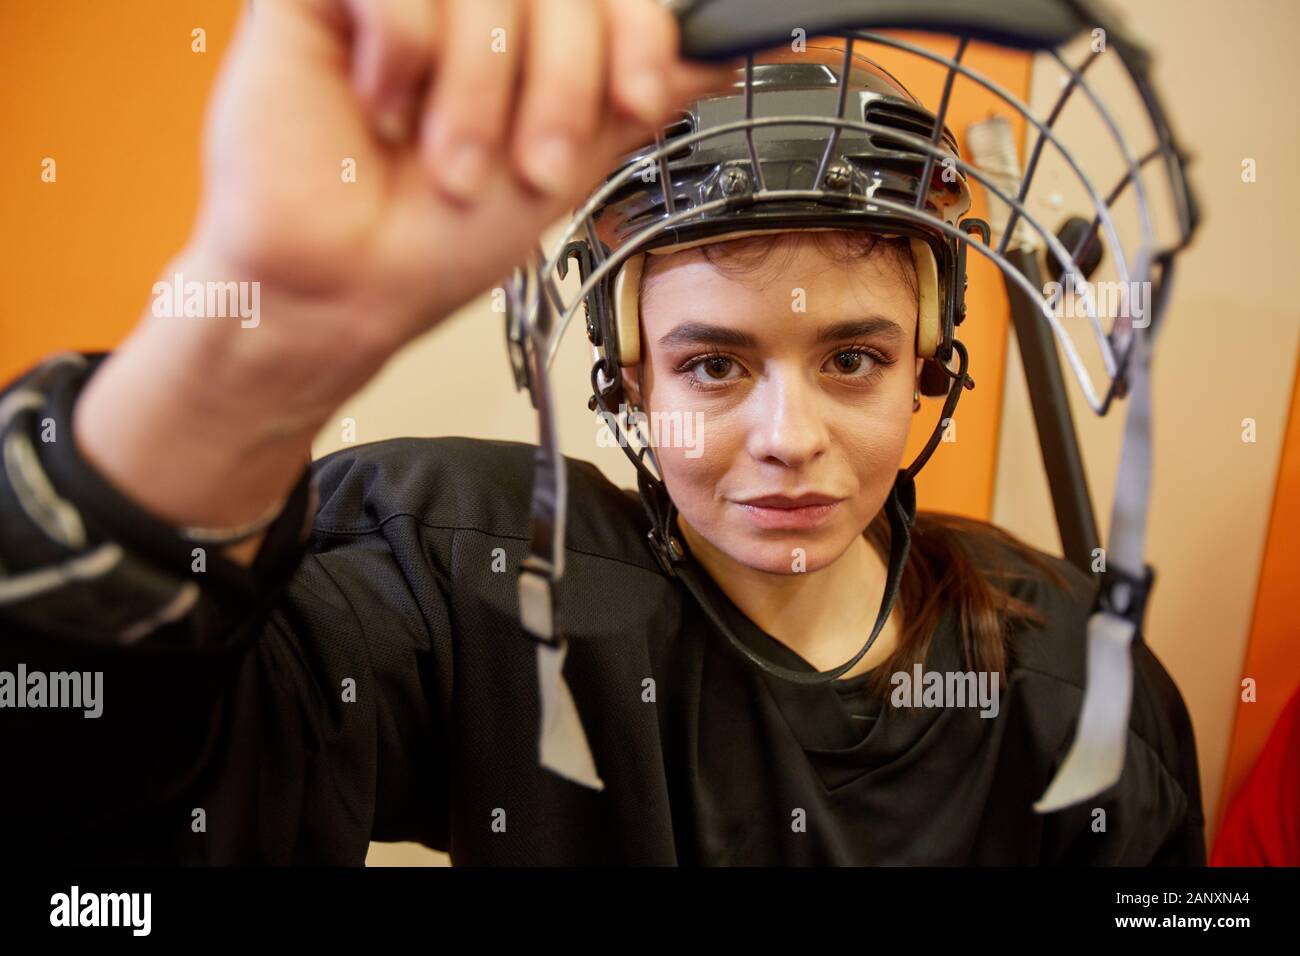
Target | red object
(1262,826)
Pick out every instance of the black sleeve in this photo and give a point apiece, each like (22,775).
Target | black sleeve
(1153,815)
(308,723)
(1176,742)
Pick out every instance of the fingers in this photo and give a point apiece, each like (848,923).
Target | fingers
(640,83)
(465,120)
(594,73)
(394,50)
(648,79)
(642,44)
(564,92)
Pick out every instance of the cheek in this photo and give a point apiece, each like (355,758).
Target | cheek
(870,443)
(876,431)
(873,454)
(693,443)
(695,459)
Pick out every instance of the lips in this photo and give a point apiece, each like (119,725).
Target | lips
(788,512)
(787,501)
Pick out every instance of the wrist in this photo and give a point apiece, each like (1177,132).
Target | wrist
(207,421)
(188,463)
(290,354)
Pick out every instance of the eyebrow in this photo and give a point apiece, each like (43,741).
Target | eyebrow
(703,333)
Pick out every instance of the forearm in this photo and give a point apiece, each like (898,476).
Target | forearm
(205,423)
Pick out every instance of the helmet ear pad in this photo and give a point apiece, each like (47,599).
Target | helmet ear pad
(929,329)
(929,322)
(625,302)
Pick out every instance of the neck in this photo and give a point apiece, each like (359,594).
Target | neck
(824,616)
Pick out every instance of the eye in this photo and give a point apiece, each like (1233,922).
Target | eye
(715,367)
(858,363)
(704,370)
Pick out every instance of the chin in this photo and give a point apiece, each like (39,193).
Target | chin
(775,552)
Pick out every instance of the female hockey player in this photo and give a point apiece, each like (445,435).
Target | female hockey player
(317,657)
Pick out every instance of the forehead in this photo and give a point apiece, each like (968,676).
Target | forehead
(750,279)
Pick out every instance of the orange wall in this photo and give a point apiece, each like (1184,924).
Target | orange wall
(1273,655)
(113,93)
(960,476)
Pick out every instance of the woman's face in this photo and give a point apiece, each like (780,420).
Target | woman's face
(800,376)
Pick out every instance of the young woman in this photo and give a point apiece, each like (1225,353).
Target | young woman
(369,680)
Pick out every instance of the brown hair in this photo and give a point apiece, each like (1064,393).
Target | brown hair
(941,570)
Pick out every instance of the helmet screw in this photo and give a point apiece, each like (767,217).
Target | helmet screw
(838,175)
(734,181)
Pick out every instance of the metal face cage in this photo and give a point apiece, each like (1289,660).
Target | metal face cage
(838,143)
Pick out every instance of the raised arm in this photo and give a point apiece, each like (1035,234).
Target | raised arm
(369,167)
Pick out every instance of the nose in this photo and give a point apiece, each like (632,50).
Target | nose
(786,424)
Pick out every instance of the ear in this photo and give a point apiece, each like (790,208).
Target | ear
(920,364)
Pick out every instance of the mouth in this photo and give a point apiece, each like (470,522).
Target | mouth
(786,512)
